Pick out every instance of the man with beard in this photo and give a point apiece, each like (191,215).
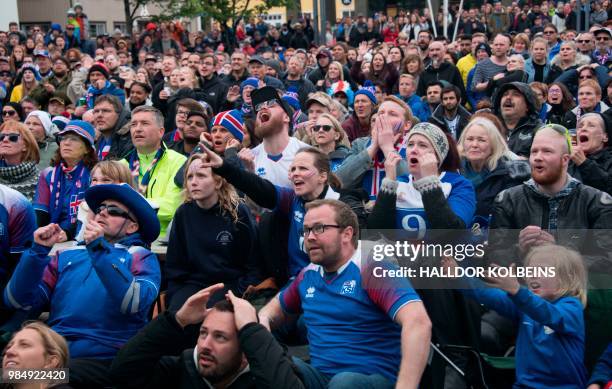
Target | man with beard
(295,78)
(439,70)
(423,41)
(111,121)
(450,114)
(271,159)
(195,125)
(233,350)
(553,207)
(363,331)
(57,82)
(518,108)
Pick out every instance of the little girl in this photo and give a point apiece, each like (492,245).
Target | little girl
(548,311)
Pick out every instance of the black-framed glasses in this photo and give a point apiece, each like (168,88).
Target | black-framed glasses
(114,211)
(324,127)
(317,229)
(584,41)
(549,32)
(9,112)
(13,138)
(585,77)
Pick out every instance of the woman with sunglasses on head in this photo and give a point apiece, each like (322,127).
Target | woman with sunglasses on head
(26,81)
(40,125)
(591,158)
(213,238)
(61,187)
(310,178)
(329,137)
(18,158)
(568,59)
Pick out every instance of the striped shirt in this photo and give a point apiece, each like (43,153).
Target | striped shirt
(485,71)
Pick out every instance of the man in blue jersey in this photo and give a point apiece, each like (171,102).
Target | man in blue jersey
(359,326)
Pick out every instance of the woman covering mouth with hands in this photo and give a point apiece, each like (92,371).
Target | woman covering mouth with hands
(432,195)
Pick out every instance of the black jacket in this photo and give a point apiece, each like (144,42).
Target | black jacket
(596,171)
(521,137)
(446,72)
(121,139)
(207,247)
(464,118)
(304,86)
(155,358)
(507,174)
(214,92)
(584,217)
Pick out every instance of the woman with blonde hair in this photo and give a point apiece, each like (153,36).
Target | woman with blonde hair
(16,59)
(35,346)
(520,45)
(334,74)
(330,138)
(488,163)
(213,238)
(19,156)
(26,81)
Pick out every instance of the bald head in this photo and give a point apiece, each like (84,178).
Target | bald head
(437,51)
(556,140)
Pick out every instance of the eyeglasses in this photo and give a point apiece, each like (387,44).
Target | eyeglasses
(584,41)
(114,211)
(585,77)
(182,113)
(266,104)
(603,38)
(9,112)
(13,138)
(317,229)
(562,131)
(324,127)
(549,32)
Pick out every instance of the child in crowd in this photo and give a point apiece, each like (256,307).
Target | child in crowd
(549,313)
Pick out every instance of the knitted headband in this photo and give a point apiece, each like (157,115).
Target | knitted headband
(436,137)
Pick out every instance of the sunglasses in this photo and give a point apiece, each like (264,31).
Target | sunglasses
(70,28)
(324,127)
(584,41)
(585,77)
(114,211)
(548,32)
(13,138)
(9,113)
(266,104)
(603,38)
(560,130)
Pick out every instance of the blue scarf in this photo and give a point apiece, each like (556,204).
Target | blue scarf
(60,188)
(476,178)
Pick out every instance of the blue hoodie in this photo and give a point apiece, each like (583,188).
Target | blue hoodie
(550,343)
(109,89)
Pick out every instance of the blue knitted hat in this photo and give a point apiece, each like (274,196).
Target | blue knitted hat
(369,90)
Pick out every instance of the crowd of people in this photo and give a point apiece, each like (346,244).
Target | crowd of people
(253,159)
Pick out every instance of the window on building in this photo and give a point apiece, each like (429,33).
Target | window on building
(27,26)
(97,28)
(121,26)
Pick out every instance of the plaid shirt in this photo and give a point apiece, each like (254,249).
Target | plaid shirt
(555,201)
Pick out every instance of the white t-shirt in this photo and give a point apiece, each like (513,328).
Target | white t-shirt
(275,168)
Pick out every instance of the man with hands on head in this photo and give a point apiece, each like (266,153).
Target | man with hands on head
(364,167)
(233,350)
(113,273)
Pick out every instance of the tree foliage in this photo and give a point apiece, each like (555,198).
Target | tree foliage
(223,11)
